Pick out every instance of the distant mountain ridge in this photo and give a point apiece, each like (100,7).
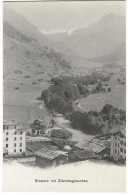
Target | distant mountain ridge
(25,46)
(100,42)
(119,54)
(98,39)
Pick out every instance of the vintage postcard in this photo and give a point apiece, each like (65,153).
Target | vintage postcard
(64,96)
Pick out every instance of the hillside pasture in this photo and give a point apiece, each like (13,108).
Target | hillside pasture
(117,97)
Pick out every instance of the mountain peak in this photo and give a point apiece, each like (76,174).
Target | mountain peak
(111,16)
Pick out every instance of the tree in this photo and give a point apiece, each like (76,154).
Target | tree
(109,89)
(107,109)
(118,80)
(99,87)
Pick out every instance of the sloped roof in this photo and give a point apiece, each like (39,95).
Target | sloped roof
(21,127)
(118,129)
(10,122)
(44,121)
(114,132)
(81,145)
(36,146)
(95,147)
(85,154)
(40,119)
(123,132)
(49,154)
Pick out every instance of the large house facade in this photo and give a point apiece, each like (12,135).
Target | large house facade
(118,145)
(14,137)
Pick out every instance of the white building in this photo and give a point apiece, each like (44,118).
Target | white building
(118,145)
(14,137)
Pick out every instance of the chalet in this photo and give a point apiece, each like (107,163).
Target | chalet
(40,126)
(118,144)
(48,158)
(97,148)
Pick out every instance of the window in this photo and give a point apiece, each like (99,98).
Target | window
(6,145)
(115,144)
(21,132)
(15,145)
(115,137)
(118,145)
(4,126)
(20,150)
(20,144)
(124,151)
(7,127)
(15,127)
(122,136)
(121,149)
(6,139)
(6,133)
(15,132)
(115,151)
(20,138)
(14,150)
(14,138)
(33,131)
(125,144)
(121,142)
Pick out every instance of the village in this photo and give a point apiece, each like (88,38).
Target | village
(44,144)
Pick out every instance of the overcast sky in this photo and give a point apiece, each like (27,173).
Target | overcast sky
(49,16)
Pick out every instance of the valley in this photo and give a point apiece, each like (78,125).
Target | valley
(32,59)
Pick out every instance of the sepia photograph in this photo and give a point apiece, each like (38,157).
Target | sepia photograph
(64,96)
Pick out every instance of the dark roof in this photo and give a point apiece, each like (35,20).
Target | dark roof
(95,147)
(118,129)
(85,154)
(36,146)
(49,154)
(43,121)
